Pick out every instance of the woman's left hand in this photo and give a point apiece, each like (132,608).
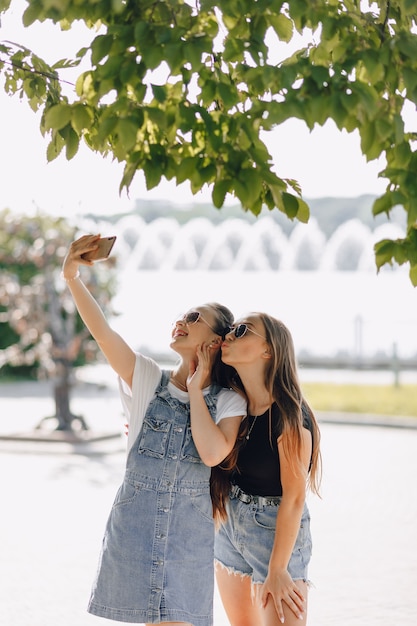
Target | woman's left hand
(283,588)
(200,368)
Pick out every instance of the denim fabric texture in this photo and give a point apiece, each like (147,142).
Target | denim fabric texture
(243,544)
(156,562)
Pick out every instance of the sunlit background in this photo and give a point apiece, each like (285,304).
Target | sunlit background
(325,288)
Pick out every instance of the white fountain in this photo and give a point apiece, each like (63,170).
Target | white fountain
(320,288)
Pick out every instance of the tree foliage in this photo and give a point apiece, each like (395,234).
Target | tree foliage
(41,333)
(185,91)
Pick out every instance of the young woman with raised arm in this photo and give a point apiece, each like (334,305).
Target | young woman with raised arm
(156,564)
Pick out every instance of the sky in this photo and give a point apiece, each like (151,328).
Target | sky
(326,162)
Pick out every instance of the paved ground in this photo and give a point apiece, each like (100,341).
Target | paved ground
(56,497)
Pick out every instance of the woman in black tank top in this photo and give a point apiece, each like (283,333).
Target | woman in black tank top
(263,543)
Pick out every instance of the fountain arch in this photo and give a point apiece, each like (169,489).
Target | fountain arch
(305,246)
(344,248)
(222,249)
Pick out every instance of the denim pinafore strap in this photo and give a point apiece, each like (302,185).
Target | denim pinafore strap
(157,558)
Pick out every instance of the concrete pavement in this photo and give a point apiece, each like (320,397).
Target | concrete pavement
(56,498)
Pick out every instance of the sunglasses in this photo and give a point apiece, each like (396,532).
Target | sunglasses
(240,330)
(192,317)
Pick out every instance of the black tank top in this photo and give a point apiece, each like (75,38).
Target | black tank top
(258,460)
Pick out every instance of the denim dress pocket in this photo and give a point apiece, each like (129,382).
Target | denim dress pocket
(154,439)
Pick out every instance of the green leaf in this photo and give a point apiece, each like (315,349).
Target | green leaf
(337,111)
(32,13)
(208,91)
(385,203)
(126,131)
(303,213)
(54,148)
(252,181)
(228,94)
(186,168)
(290,204)
(283,26)
(73,142)
(241,192)
(57,116)
(384,252)
(401,155)
(153,173)
(383,129)
(413,275)
(175,60)
(128,175)
(100,48)
(276,192)
(412,205)
(233,50)
(106,127)
(207,173)
(81,118)
(367,133)
(368,97)
(410,78)
(374,68)
(110,69)
(220,190)
(159,92)
(153,56)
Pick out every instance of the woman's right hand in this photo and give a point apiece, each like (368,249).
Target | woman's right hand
(86,243)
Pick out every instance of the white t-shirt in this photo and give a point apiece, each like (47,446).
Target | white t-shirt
(146,377)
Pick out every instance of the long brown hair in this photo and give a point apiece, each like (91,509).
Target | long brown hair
(281,380)
(223,321)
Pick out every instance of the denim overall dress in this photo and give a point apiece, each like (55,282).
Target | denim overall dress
(156,562)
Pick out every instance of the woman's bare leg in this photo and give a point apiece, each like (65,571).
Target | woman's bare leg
(236,595)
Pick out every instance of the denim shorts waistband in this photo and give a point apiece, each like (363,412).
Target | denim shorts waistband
(246,498)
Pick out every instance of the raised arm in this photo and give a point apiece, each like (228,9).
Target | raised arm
(213,441)
(117,352)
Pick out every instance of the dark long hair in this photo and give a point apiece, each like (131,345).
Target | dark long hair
(223,321)
(281,379)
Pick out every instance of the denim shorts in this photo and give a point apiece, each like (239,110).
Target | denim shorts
(243,544)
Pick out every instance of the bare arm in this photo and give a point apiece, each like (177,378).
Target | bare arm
(213,441)
(117,352)
(279,583)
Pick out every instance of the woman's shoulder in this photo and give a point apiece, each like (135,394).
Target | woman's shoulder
(146,368)
(231,398)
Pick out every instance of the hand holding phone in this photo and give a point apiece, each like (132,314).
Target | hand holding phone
(105,245)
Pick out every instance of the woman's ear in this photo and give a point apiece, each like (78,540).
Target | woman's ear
(267,354)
